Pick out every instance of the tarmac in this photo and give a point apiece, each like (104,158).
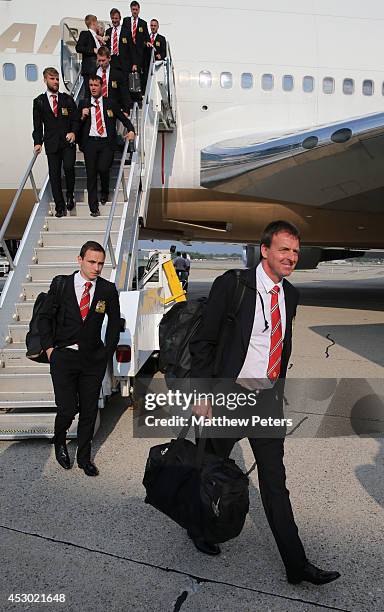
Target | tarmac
(96,541)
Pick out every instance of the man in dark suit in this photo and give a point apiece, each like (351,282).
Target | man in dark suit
(254,360)
(88,44)
(114,86)
(117,43)
(98,140)
(77,354)
(138,40)
(56,122)
(157,41)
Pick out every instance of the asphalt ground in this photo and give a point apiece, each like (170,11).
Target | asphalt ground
(95,541)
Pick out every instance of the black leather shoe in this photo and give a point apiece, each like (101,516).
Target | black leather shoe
(89,468)
(313,574)
(62,456)
(59,213)
(70,202)
(104,198)
(205,547)
(95,213)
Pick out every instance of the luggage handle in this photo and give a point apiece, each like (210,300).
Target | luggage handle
(201,445)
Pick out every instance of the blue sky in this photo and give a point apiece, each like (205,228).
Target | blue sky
(201,247)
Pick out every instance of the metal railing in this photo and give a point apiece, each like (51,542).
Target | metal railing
(107,243)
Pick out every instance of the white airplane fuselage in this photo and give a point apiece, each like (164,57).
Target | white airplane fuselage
(282,47)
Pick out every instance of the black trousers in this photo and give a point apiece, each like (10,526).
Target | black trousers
(77,388)
(98,157)
(269,453)
(66,157)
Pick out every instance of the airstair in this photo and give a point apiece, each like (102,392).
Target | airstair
(50,245)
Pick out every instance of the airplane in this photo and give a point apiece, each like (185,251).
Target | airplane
(279,110)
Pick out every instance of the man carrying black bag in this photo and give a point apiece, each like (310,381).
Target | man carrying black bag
(254,359)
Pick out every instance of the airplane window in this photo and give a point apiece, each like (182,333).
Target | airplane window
(348,86)
(9,72)
(226,80)
(31,72)
(205,78)
(328,85)
(368,87)
(246,80)
(267,82)
(184,78)
(308,84)
(287,82)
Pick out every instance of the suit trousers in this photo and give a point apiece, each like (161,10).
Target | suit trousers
(269,453)
(66,157)
(98,157)
(77,387)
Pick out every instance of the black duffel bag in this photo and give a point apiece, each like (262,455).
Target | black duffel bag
(204,493)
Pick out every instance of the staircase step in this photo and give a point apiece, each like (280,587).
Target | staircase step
(17,333)
(68,255)
(40,368)
(82,210)
(19,425)
(24,313)
(30,291)
(15,357)
(39,383)
(81,196)
(68,224)
(74,238)
(44,272)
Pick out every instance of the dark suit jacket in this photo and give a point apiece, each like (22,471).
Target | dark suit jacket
(112,112)
(86,45)
(50,129)
(70,328)
(160,46)
(204,345)
(136,51)
(118,90)
(124,48)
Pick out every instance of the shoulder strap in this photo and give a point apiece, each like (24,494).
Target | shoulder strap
(237,297)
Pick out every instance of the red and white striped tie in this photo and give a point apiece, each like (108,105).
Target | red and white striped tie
(276,345)
(134,26)
(105,84)
(85,301)
(115,49)
(99,121)
(152,39)
(54,103)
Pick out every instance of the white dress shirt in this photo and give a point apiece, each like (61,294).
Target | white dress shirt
(50,100)
(256,361)
(79,283)
(118,30)
(93,131)
(100,74)
(97,44)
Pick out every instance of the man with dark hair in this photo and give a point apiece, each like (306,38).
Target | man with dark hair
(113,83)
(138,39)
(70,331)
(157,40)
(117,43)
(56,122)
(98,140)
(254,354)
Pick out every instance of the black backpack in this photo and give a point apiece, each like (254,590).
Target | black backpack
(204,493)
(35,352)
(180,324)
